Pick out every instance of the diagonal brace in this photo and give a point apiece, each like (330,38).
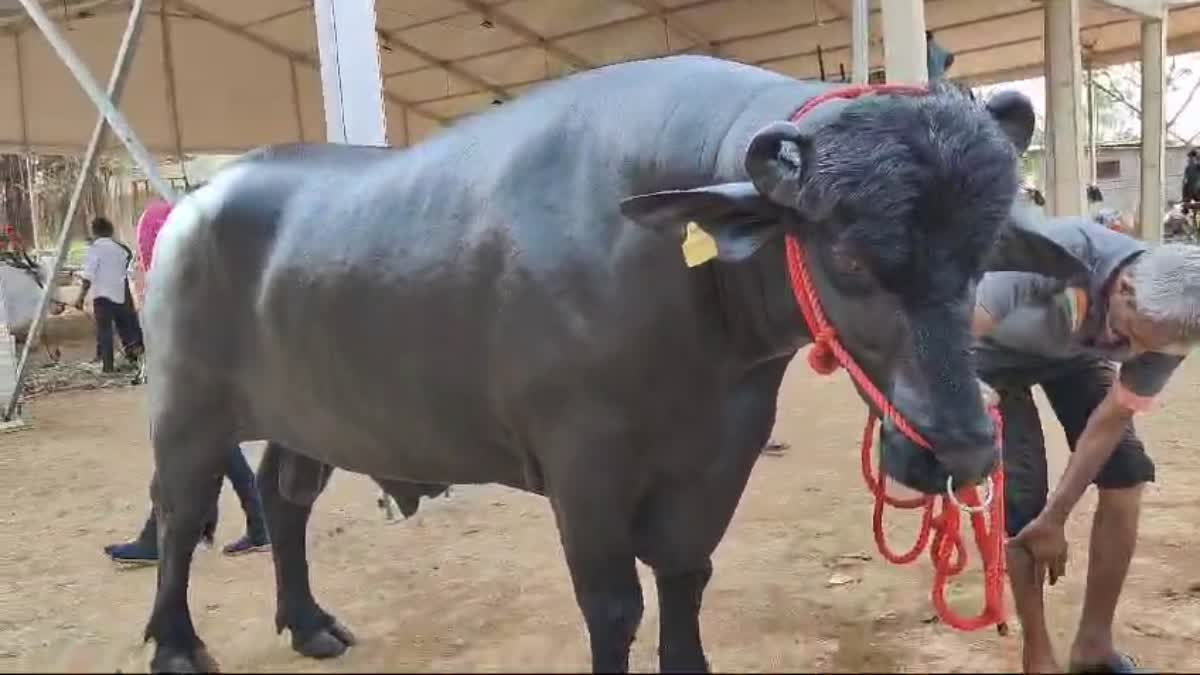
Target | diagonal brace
(99,97)
(116,85)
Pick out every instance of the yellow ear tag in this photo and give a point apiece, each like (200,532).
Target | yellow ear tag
(698,246)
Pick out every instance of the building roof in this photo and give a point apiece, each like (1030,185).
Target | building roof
(244,72)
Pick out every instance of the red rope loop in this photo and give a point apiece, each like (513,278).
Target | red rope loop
(940,532)
(941,520)
(822,357)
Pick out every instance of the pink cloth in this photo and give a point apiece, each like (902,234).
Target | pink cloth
(148,226)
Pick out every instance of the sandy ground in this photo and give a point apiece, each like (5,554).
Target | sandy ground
(476,582)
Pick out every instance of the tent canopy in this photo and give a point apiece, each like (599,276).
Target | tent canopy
(221,76)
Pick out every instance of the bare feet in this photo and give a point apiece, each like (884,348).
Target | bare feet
(1037,649)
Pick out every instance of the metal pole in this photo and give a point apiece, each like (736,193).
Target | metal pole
(116,84)
(905,53)
(860,43)
(22,109)
(1154,124)
(351,77)
(99,99)
(1092,120)
(168,60)
(295,77)
(31,194)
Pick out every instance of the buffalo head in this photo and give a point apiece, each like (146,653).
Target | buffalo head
(901,204)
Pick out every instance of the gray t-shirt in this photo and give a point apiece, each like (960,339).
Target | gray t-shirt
(1040,320)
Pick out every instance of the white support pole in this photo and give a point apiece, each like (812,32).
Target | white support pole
(99,99)
(1093,155)
(116,84)
(860,41)
(351,81)
(1064,109)
(1154,128)
(904,54)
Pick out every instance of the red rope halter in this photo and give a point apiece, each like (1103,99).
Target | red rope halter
(940,531)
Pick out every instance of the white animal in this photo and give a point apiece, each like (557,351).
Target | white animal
(20,289)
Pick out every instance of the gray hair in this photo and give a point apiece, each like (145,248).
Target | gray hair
(1166,288)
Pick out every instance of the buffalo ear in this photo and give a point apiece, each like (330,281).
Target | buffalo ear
(735,215)
(1013,111)
(1025,244)
(775,160)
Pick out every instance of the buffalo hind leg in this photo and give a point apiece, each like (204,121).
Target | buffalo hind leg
(189,457)
(289,484)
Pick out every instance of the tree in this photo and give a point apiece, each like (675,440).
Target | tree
(14,195)
(1118,101)
(1114,122)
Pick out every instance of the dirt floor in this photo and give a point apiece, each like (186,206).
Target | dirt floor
(477,582)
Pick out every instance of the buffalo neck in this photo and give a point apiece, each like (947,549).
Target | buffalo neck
(758,306)
(759,314)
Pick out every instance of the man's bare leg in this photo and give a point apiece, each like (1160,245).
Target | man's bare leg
(1114,537)
(1027,580)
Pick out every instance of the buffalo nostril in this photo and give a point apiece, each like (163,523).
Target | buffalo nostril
(970,465)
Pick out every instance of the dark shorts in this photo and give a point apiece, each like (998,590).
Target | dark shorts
(1074,389)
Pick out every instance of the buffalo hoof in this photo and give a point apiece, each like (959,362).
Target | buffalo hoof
(324,643)
(175,660)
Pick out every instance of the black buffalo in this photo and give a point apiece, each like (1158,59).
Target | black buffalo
(508,303)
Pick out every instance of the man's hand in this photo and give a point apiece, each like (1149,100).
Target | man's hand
(1046,540)
(84,287)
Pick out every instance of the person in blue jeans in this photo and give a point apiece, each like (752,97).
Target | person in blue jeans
(144,549)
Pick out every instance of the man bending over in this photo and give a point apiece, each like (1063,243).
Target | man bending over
(1101,348)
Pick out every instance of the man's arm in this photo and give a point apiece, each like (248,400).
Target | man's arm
(1092,449)
(1140,380)
(91,263)
(84,287)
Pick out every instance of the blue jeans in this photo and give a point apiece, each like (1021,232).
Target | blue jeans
(238,470)
(124,318)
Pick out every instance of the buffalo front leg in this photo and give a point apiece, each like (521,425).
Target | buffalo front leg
(610,597)
(679,597)
(593,507)
(289,484)
(682,522)
(187,479)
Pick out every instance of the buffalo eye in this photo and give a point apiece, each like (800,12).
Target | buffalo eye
(847,263)
(849,270)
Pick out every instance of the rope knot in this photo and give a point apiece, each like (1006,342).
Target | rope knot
(822,358)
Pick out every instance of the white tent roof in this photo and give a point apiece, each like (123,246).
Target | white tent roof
(244,71)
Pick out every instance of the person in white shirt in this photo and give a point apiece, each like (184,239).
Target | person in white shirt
(106,276)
